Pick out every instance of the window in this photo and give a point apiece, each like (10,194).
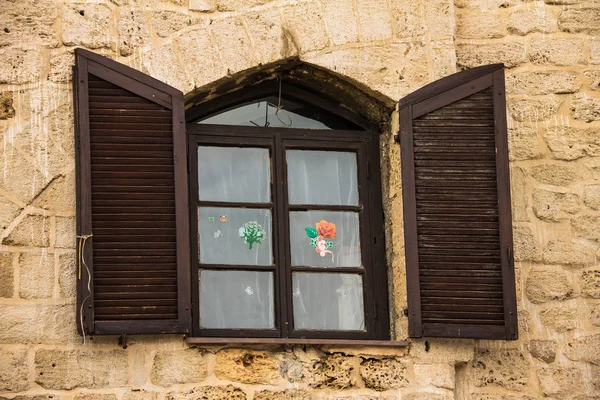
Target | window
(256,220)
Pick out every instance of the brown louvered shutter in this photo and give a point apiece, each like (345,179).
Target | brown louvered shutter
(458,231)
(132,198)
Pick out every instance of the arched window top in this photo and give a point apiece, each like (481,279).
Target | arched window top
(273,112)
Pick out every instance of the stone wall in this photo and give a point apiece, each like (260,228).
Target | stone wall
(390,47)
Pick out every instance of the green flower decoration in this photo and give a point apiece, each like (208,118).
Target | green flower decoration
(330,245)
(313,242)
(311,232)
(252,233)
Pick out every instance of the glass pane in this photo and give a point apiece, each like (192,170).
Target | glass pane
(322,177)
(235,236)
(293,115)
(328,301)
(236,299)
(234,174)
(325,239)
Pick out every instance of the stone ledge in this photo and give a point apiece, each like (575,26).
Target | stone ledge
(293,341)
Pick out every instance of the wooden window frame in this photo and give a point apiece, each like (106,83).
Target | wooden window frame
(365,143)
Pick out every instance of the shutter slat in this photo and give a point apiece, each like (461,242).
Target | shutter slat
(454,226)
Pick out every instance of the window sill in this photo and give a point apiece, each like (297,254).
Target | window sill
(296,341)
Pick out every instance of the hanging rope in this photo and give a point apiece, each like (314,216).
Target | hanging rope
(81,252)
(279,107)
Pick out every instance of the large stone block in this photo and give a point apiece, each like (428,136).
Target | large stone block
(37,324)
(95,396)
(561,319)
(575,20)
(527,110)
(228,392)
(435,351)
(200,57)
(426,396)
(555,206)
(373,15)
(7,275)
(28,21)
(507,368)
(6,105)
(544,350)
(586,348)
(59,196)
(143,395)
(570,143)
(592,78)
(162,63)
(557,51)
(334,371)
(527,20)
(289,394)
(34,397)
(61,67)
(542,82)
(69,369)
(586,226)
(36,275)
(247,366)
(439,19)
(178,367)
(65,232)
(14,370)
(440,375)
(133,30)
(590,283)
(485,24)
(33,230)
(523,142)
(554,174)
(547,284)
(585,108)
(270,41)
(560,381)
(591,196)
(384,374)
(305,24)
(594,51)
(167,22)
(341,21)
(470,55)
(234,44)
(19,65)
(67,275)
(519,195)
(86,25)
(567,253)
(408,19)
(525,244)
(235,5)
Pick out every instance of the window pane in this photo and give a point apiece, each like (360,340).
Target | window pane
(236,299)
(322,177)
(325,239)
(235,236)
(328,301)
(234,174)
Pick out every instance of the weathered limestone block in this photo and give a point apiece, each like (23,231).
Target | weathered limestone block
(543,82)
(557,51)
(6,105)
(33,230)
(270,42)
(142,395)
(59,196)
(228,392)
(507,368)
(180,366)
(332,371)
(133,30)
(440,375)
(95,396)
(519,197)
(559,381)
(34,397)
(67,275)
(167,22)
(571,143)
(7,275)
(14,370)
(86,25)
(470,55)
(594,314)
(426,396)
(593,79)
(285,395)
(8,212)
(575,20)
(374,15)
(585,108)
(586,348)
(441,350)
(36,273)
(305,25)
(525,246)
(37,323)
(555,206)
(200,57)
(19,176)
(342,21)
(591,196)
(567,253)
(586,226)
(408,19)
(234,44)
(484,24)
(202,5)
(68,369)
(594,51)
(61,67)
(443,59)
(554,174)
(65,232)
(162,64)
(19,65)
(590,283)
(544,350)
(383,374)
(487,4)
(233,5)
(247,366)
(479,396)
(560,319)
(439,19)
(546,284)
(527,20)
(526,110)
(28,21)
